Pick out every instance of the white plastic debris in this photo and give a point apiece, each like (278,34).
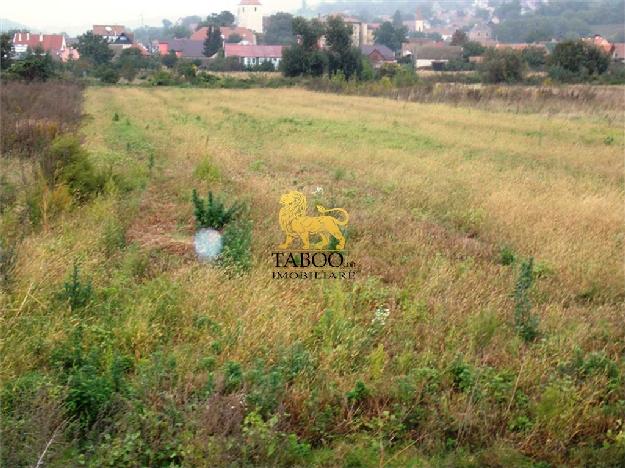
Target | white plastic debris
(208,244)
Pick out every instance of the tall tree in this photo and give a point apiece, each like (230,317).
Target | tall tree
(341,55)
(579,57)
(213,41)
(397,20)
(6,51)
(225,18)
(304,57)
(94,48)
(180,31)
(308,32)
(130,61)
(459,38)
(390,36)
(279,29)
(36,66)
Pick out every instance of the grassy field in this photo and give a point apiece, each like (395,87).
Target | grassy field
(417,362)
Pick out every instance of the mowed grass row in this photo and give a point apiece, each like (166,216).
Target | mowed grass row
(440,199)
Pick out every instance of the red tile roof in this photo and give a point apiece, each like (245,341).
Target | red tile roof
(520,46)
(240,50)
(49,42)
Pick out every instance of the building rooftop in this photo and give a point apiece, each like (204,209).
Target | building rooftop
(241,50)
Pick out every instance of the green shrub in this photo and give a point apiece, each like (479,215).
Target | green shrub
(162,78)
(233,377)
(76,292)
(107,74)
(237,242)
(92,374)
(463,375)
(525,322)
(212,213)
(207,171)
(359,393)
(505,66)
(68,163)
(506,256)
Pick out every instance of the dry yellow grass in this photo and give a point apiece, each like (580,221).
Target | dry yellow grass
(434,193)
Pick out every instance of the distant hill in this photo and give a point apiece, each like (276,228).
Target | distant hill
(8,25)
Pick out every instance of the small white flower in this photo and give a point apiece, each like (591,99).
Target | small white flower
(318,191)
(380,315)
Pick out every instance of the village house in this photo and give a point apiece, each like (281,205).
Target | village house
(183,48)
(251,55)
(111,32)
(434,56)
(378,54)
(247,35)
(406,47)
(54,44)
(481,33)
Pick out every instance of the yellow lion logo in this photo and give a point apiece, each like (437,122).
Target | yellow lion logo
(295,223)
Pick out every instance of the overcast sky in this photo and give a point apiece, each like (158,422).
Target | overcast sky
(74,16)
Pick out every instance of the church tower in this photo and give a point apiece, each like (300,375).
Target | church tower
(419,23)
(250,15)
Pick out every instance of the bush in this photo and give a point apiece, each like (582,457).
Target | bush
(237,241)
(207,171)
(162,78)
(535,57)
(502,66)
(459,65)
(76,292)
(525,323)
(225,64)
(212,213)
(580,58)
(266,66)
(66,162)
(36,66)
(91,374)
(107,74)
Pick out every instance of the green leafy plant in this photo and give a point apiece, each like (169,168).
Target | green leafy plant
(207,171)
(237,241)
(463,375)
(506,256)
(76,292)
(212,213)
(525,322)
(358,393)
